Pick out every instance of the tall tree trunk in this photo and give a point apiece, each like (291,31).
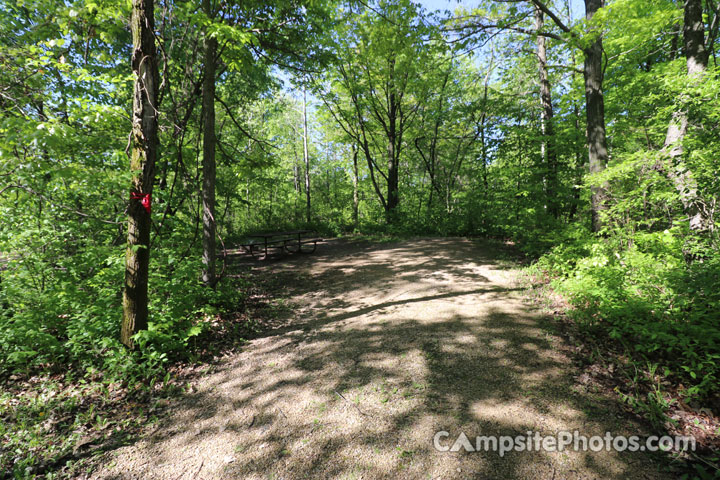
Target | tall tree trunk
(697,59)
(577,149)
(144,141)
(694,39)
(392,178)
(296,181)
(393,197)
(549,154)
(247,198)
(595,110)
(577,145)
(208,164)
(308,211)
(434,142)
(296,173)
(483,120)
(356,198)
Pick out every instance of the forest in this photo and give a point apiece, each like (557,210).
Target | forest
(142,141)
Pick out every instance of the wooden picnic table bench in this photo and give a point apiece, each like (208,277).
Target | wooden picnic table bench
(291,241)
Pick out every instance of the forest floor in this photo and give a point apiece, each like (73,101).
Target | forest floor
(379,346)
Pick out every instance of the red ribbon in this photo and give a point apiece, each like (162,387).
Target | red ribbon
(144,199)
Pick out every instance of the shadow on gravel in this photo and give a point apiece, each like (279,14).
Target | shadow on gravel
(355,386)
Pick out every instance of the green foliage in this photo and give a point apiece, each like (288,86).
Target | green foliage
(471,162)
(63,194)
(74,319)
(646,297)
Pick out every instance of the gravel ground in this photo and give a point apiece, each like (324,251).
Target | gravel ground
(383,346)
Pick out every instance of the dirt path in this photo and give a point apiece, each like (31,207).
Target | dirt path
(387,344)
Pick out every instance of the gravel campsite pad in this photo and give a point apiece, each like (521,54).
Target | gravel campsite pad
(383,345)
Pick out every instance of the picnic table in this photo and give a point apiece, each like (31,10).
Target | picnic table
(290,241)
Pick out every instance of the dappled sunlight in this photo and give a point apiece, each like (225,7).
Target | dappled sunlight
(358,381)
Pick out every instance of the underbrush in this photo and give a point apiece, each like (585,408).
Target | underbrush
(645,295)
(652,299)
(67,384)
(75,319)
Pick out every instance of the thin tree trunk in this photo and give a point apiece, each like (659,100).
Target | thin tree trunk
(595,111)
(296,181)
(144,141)
(549,154)
(392,179)
(483,121)
(247,198)
(393,147)
(208,164)
(448,196)
(434,143)
(697,59)
(308,210)
(356,198)
(484,157)
(296,172)
(577,147)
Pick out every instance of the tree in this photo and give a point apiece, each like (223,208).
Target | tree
(435,120)
(548,150)
(450,120)
(356,192)
(595,113)
(485,23)
(371,85)
(306,156)
(696,55)
(208,164)
(594,101)
(144,144)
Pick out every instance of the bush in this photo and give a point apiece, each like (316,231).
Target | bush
(75,319)
(646,296)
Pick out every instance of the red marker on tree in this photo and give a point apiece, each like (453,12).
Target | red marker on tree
(144,198)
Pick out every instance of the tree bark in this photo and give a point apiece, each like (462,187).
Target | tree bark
(694,38)
(208,164)
(356,198)
(577,149)
(483,121)
(393,135)
(548,151)
(144,140)
(595,111)
(696,59)
(306,157)
(392,193)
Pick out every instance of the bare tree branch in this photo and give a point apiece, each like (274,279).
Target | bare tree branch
(554,17)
